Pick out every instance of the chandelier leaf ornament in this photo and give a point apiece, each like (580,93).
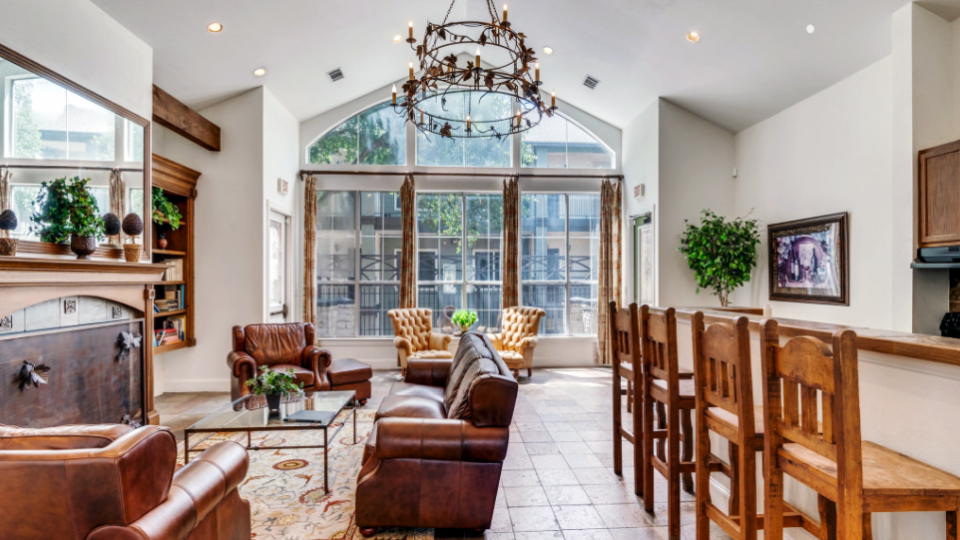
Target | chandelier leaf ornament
(428,101)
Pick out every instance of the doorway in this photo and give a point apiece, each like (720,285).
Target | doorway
(644,277)
(278,279)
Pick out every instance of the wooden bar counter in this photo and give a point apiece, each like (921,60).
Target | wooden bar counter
(909,402)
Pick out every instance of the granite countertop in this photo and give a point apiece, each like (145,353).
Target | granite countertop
(921,346)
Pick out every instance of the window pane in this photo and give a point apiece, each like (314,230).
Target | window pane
(436,151)
(23,205)
(136,201)
(586,152)
(380,236)
(543,237)
(336,236)
(584,237)
(383,137)
(485,300)
(336,310)
(583,308)
(443,299)
(484,218)
(440,222)
(39,120)
(339,146)
(557,142)
(553,299)
(91,130)
(375,302)
(134,145)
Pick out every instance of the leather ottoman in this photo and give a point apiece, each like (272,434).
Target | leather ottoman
(350,374)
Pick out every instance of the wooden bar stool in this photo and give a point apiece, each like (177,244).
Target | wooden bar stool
(662,384)
(721,355)
(859,477)
(625,342)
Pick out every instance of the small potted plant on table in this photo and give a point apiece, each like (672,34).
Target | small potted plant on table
(464,319)
(274,385)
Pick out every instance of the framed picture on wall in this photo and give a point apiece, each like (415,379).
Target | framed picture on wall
(809,260)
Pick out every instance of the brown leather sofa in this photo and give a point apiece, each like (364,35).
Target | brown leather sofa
(434,456)
(289,346)
(114,482)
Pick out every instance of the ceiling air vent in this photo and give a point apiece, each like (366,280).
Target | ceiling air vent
(335,75)
(591,82)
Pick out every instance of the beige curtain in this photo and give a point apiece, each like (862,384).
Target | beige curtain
(309,250)
(118,191)
(408,253)
(610,278)
(5,190)
(511,243)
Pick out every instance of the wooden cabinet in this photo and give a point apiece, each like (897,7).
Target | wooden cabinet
(939,218)
(179,185)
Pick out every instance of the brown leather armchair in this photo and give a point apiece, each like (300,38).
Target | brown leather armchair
(518,337)
(414,336)
(281,347)
(434,456)
(118,483)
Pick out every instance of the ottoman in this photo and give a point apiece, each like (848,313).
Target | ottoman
(350,374)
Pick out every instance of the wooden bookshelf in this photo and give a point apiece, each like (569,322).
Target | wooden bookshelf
(179,185)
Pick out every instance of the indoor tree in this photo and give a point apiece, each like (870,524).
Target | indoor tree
(721,253)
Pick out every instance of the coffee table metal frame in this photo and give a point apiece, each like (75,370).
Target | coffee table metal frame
(279,427)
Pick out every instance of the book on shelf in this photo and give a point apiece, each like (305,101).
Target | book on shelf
(174,271)
(165,336)
(177,324)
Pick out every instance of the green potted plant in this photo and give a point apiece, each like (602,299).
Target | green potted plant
(164,213)
(722,253)
(464,318)
(274,384)
(68,211)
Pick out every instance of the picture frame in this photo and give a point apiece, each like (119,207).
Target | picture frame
(809,260)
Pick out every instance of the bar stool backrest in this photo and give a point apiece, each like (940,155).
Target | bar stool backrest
(624,323)
(797,374)
(721,354)
(658,335)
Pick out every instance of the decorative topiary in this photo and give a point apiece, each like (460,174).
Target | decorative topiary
(132,225)
(8,222)
(111,224)
(721,253)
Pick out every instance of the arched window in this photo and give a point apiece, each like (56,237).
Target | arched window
(377,136)
(558,143)
(436,151)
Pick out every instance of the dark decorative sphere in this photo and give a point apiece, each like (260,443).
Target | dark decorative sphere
(8,220)
(111,224)
(132,225)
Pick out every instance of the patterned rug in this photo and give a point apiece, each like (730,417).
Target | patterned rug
(285,487)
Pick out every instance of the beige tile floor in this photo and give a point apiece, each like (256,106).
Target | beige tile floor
(558,480)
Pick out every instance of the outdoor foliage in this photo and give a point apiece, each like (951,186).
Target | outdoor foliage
(374,137)
(163,208)
(272,382)
(721,253)
(66,207)
(27,138)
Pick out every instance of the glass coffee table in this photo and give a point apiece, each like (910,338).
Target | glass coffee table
(250,413)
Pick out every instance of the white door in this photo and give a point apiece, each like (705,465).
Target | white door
(279,278)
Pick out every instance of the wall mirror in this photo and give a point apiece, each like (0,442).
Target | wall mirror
(53,128)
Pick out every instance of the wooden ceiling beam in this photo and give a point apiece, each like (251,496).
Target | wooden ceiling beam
(170,113)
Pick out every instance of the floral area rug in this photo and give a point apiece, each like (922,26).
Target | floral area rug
(285,487)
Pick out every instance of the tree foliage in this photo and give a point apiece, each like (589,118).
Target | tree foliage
(27,138)
(374,137)
(721,253)
(443,214)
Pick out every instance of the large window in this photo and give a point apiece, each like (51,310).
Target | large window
(558,143)
(24,197)
(436,151)
(559,236)
(376,136)
(347,220)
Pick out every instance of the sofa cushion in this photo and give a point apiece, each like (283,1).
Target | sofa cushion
(300,375)
(408,389)
(410,407)
(271,344)
(478,365)
(348,370)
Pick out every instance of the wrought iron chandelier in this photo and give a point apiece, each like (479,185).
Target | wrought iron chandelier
(425,99)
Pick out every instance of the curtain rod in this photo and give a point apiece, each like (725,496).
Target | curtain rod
(68,167)
(305,172)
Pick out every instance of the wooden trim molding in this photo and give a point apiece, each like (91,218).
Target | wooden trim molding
(174,177)
(170,113)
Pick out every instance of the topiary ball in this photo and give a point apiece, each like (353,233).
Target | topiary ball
(8,220)
(111,224)
(132,225)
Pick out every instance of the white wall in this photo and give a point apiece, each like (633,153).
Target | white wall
(641,167)
(76,39)
(829,153)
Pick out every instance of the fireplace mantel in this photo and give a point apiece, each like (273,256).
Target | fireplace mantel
(26,281)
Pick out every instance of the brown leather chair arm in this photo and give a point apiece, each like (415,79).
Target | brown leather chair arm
(428,372)
(317,360)
(242,365)
(403,344)
(530,342)
(496,340)
(442,440)
(439,342)
(61,437)
(197,490)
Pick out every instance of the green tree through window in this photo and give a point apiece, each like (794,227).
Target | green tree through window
(26,138)
(376,136)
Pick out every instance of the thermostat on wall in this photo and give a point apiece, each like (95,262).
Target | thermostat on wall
(283,186)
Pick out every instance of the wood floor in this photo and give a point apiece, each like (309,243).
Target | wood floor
(558,481)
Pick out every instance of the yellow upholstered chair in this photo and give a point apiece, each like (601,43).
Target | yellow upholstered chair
(414,336)
(518,337)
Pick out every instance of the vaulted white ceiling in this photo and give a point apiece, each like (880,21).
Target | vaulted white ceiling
(755,57)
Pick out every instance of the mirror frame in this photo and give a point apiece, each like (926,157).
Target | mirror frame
(33,247)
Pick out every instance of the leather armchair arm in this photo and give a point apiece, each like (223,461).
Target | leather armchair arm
(317,360)
(440,440)
(439,342)
(496,340)
(403,344)
(242,366)
(428,372)
(61,437)
(528,342)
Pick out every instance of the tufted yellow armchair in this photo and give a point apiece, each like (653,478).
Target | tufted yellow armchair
(518,337)
(414,336)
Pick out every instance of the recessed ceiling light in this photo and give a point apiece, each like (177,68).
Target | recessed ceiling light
(260,72)
(548,50)
(397,38)
(811,29)
(693,37)
(214,27)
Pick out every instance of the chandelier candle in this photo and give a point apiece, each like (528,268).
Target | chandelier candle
(504,13)
(553,99)
(468,123)
(478,58)
(394,94)
(411,30)
(538,72)
(411,71)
